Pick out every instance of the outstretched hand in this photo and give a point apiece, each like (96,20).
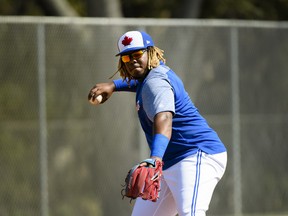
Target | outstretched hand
(104,89)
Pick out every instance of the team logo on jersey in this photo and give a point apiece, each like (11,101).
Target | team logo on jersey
(127,41)
(138,105)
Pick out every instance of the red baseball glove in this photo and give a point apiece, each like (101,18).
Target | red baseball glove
(144,181)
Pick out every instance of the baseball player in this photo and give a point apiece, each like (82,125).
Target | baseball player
(193,155)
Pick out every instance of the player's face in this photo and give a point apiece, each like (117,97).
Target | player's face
(136,63)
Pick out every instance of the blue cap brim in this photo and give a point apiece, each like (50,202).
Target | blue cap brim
(130,50)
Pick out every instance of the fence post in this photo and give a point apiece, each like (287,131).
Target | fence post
(234,43)
(42,119)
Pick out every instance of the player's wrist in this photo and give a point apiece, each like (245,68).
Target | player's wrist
(156,158)
(159,145)
(112,86)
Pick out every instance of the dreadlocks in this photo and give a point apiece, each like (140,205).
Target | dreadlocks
(155,55)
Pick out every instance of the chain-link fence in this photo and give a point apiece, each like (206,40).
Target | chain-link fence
(60,156)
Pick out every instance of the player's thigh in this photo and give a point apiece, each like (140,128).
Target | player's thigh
(192,182)
(164,206)
(181,179)
(212,170)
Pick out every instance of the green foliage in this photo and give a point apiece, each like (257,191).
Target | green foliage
(246,9)
(144,8)
(80,6)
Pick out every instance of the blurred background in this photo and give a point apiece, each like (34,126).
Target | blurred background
(61,156)
(211,9)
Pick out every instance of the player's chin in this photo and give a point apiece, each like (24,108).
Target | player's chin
(138,73)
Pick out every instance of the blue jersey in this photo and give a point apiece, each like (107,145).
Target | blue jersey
(162,90)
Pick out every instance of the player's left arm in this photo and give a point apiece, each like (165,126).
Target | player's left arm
(163,123)
(162,128)
(159,106)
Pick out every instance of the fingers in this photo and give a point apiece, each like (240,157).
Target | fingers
(92,96)
(144,164)
(93,93)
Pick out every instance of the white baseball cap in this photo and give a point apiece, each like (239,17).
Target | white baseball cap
(134,40)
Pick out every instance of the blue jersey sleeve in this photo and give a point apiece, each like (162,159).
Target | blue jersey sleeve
(122,85)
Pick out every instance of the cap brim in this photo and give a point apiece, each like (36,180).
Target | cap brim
(129,50)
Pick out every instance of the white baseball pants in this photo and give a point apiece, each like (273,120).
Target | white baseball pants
(186,188)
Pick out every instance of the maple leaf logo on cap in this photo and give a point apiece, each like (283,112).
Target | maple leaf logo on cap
(127,41)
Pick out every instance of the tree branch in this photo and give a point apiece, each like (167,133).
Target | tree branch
(104,8)
(57,8)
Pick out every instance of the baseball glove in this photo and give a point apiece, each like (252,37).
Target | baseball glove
(144,181)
